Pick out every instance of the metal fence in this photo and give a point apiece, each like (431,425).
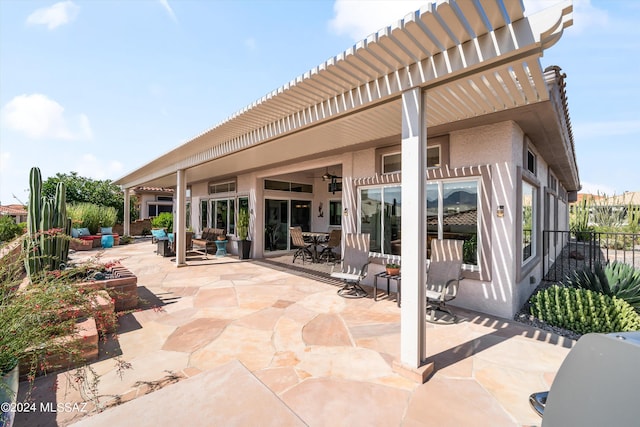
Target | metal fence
(565,252)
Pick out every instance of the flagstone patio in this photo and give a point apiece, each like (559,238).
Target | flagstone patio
(229,342)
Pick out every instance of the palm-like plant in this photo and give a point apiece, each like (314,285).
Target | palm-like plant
(615,279)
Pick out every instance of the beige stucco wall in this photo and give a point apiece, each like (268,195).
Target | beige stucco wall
(498,145)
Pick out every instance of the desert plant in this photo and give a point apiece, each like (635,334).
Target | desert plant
(579,221)
(164,220)
(45,245)
(616,279)
(583,311)
(35,319)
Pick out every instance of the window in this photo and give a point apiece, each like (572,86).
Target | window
(380,216)
(164,198)
(218,213)
(335,212)
(155,209)
(222,187)
(531,162)
(393,162)
(287,186)
(452,213)
(529,213)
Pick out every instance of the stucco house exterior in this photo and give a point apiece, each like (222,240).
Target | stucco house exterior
(443,124)
(152,201)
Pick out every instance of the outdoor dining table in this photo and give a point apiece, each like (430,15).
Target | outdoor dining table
(316,238)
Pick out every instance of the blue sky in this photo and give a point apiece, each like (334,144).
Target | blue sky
(103,87)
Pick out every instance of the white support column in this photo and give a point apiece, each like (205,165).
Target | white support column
(126,216)
(180,223)
(414,233)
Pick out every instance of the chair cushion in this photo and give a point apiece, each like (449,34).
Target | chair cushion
(159,233)
(346,276)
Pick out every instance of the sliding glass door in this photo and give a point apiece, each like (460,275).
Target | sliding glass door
(279,215)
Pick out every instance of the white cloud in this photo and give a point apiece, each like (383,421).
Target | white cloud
(358,19)
(54,16)
(39,117)
(94,167)
(167,7)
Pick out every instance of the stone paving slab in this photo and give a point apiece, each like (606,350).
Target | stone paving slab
(229,395)
(291,341)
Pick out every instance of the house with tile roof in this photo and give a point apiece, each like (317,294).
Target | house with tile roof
(17,212)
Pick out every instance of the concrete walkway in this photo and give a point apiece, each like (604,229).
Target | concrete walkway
(228,342)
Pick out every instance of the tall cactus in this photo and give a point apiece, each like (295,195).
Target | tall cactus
(46,250)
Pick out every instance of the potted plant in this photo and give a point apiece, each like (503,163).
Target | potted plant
(392,269)
(244,244)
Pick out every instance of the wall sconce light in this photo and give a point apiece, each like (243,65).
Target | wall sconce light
(345,212)
(500,211)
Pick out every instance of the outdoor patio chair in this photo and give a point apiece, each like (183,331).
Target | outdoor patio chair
(328,251)
(443,279)
(354,265)
(303,249)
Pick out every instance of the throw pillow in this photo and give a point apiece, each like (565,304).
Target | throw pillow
(83,232)
(106,230)
(75,233)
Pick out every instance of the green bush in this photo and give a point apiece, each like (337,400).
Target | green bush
(616,279)
(92,216)
(583,311)
(9,229)
(164,220)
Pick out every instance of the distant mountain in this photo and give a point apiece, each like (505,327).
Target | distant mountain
(460,198)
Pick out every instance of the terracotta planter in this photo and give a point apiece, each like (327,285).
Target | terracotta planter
(392,271)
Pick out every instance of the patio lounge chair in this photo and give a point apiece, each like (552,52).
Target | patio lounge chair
(443,279)
(354,265)
(303,248)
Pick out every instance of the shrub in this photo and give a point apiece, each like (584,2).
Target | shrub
(92,216)
(9,229)
(616,279)
(583,311)
(164,220)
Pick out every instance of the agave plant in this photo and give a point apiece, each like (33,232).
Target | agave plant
(616,279)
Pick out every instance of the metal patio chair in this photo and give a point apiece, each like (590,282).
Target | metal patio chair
(328,251)
(354,265)
(303,249)
(443,279)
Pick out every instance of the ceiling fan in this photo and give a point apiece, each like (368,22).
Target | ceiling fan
(329,177)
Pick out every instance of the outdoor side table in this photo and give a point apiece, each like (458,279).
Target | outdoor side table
(221,246)
(389,277)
